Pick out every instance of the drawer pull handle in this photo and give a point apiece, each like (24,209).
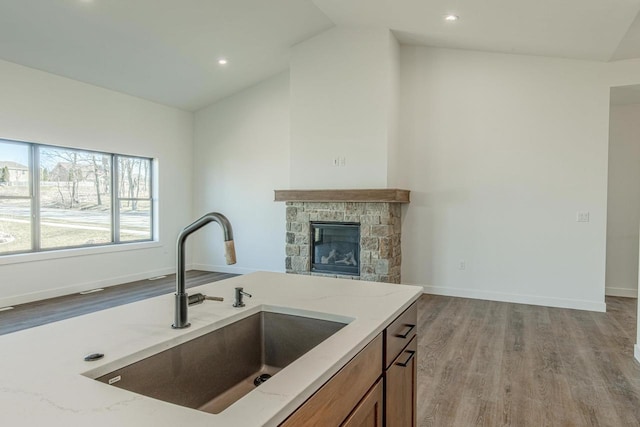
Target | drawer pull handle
(406,334)
(406,362)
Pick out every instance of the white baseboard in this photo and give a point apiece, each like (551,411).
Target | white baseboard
(80,287)
(515,298)
(636,352)
(229,269)
(621,292)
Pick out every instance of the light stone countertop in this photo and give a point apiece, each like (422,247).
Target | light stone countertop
(44,380)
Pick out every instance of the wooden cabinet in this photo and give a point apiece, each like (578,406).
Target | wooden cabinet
(368,413)
(400,369)
(400,379)
(374,389)
(337,398)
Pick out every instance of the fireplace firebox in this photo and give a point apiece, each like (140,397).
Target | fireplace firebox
(335,248)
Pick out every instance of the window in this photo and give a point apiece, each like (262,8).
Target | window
(134,198)
(54,198)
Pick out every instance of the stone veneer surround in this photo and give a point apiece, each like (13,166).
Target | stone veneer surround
(380,231)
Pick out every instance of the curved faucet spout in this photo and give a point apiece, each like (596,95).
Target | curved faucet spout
(182,297)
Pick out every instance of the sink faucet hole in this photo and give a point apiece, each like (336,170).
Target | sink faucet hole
(260,379)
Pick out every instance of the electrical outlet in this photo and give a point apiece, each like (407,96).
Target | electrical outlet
(462,265)
(343,161)
(582,216)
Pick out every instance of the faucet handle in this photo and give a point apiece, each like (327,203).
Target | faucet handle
(230,252)
(200,298)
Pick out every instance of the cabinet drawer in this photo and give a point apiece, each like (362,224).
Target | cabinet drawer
(399,333)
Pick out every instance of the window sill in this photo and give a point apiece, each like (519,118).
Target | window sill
(76,252)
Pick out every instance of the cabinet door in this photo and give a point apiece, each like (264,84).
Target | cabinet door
(335,400)
(400,398)
(368,413)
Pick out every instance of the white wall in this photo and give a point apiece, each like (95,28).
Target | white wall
(623,208)
(500,152)
(394,168)
(341,87)
(241,155)
(44,108)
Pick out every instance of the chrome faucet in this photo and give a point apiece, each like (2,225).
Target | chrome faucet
(239,293)
(182,298)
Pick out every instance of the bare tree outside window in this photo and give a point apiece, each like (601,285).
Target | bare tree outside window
(135,198)
(71,198)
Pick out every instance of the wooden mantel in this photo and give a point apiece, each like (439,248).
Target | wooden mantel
(385,195)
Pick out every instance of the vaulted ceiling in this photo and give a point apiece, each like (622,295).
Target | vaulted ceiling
(167,50)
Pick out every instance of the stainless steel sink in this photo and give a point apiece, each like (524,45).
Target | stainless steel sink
(211,372)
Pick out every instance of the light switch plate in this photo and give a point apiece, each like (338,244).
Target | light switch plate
(582,216)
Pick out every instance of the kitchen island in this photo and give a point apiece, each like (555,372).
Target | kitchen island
(46,381)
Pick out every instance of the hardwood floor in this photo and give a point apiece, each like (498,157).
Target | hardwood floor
(499,364)
(51,310)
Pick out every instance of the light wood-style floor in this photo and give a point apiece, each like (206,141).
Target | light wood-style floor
(499,364)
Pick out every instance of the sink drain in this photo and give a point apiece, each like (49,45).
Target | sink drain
(260,379)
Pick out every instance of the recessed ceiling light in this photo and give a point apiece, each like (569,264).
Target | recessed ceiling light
(222,61)
(451,18)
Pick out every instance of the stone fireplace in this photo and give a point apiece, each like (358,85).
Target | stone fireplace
(312,249)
